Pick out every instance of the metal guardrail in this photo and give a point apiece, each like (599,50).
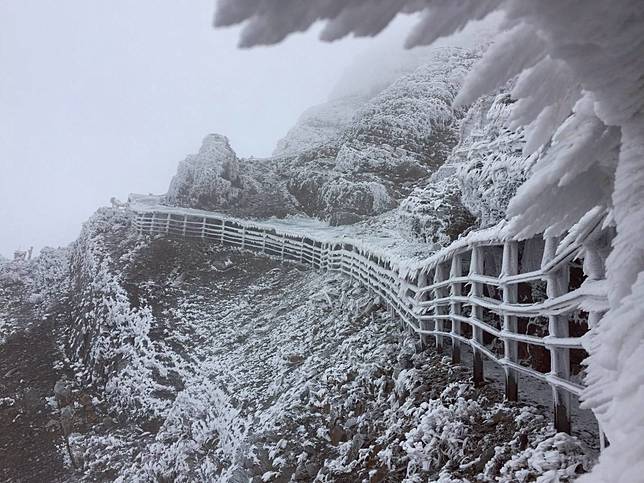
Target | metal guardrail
(461,294)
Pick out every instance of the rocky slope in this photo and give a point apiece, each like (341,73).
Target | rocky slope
(475,184)
(397,146)
(352,157)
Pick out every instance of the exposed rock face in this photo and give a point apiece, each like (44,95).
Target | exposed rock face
(400,136)
(209,179)
(409,129)
(435,213)
(216,179)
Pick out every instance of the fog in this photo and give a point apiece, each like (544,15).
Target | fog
(100,99)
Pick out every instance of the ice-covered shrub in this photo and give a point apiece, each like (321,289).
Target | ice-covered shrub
(203,438)
(108,338)
(435,213)
(489,158)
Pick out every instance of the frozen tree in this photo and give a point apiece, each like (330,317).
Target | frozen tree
(580,69)
(489,161)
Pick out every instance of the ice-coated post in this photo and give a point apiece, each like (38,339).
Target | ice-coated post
(422,283)
(476,268)
(557,281)
(510,266)
(440,276)
(455,308)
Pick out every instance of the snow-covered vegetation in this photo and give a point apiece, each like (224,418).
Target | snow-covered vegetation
(222,366)
(39,283)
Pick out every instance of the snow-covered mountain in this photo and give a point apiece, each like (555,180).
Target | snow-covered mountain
(351,157)
(190,361)
(395,145)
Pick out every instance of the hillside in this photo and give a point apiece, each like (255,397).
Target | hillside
(204,363)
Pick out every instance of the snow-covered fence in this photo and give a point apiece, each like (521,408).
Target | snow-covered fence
(511,301)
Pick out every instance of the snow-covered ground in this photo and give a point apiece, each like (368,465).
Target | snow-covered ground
(275,373)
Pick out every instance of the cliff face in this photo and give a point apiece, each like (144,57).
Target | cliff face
(216,179)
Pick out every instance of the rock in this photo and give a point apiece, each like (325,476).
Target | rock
(306,471)
(338,434)
(405,361)
(295,359)
(109,422)
(63,392)
(67,419)
(344,218)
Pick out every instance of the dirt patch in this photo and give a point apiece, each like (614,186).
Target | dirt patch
(29,450)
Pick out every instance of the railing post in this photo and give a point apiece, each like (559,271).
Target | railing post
(167,223)
(596,249)
(456,290)
(557,284)
(243,241)
(439,276)
(203,227)
(422,282)
(476,268)
(510,267)
(153,222)
(223,230)
(185,222)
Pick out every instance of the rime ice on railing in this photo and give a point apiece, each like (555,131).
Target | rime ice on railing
(482,291)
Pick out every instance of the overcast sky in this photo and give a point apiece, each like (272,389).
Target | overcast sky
(104,98)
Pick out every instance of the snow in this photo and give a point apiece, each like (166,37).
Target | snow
(319,125)
(210,177)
